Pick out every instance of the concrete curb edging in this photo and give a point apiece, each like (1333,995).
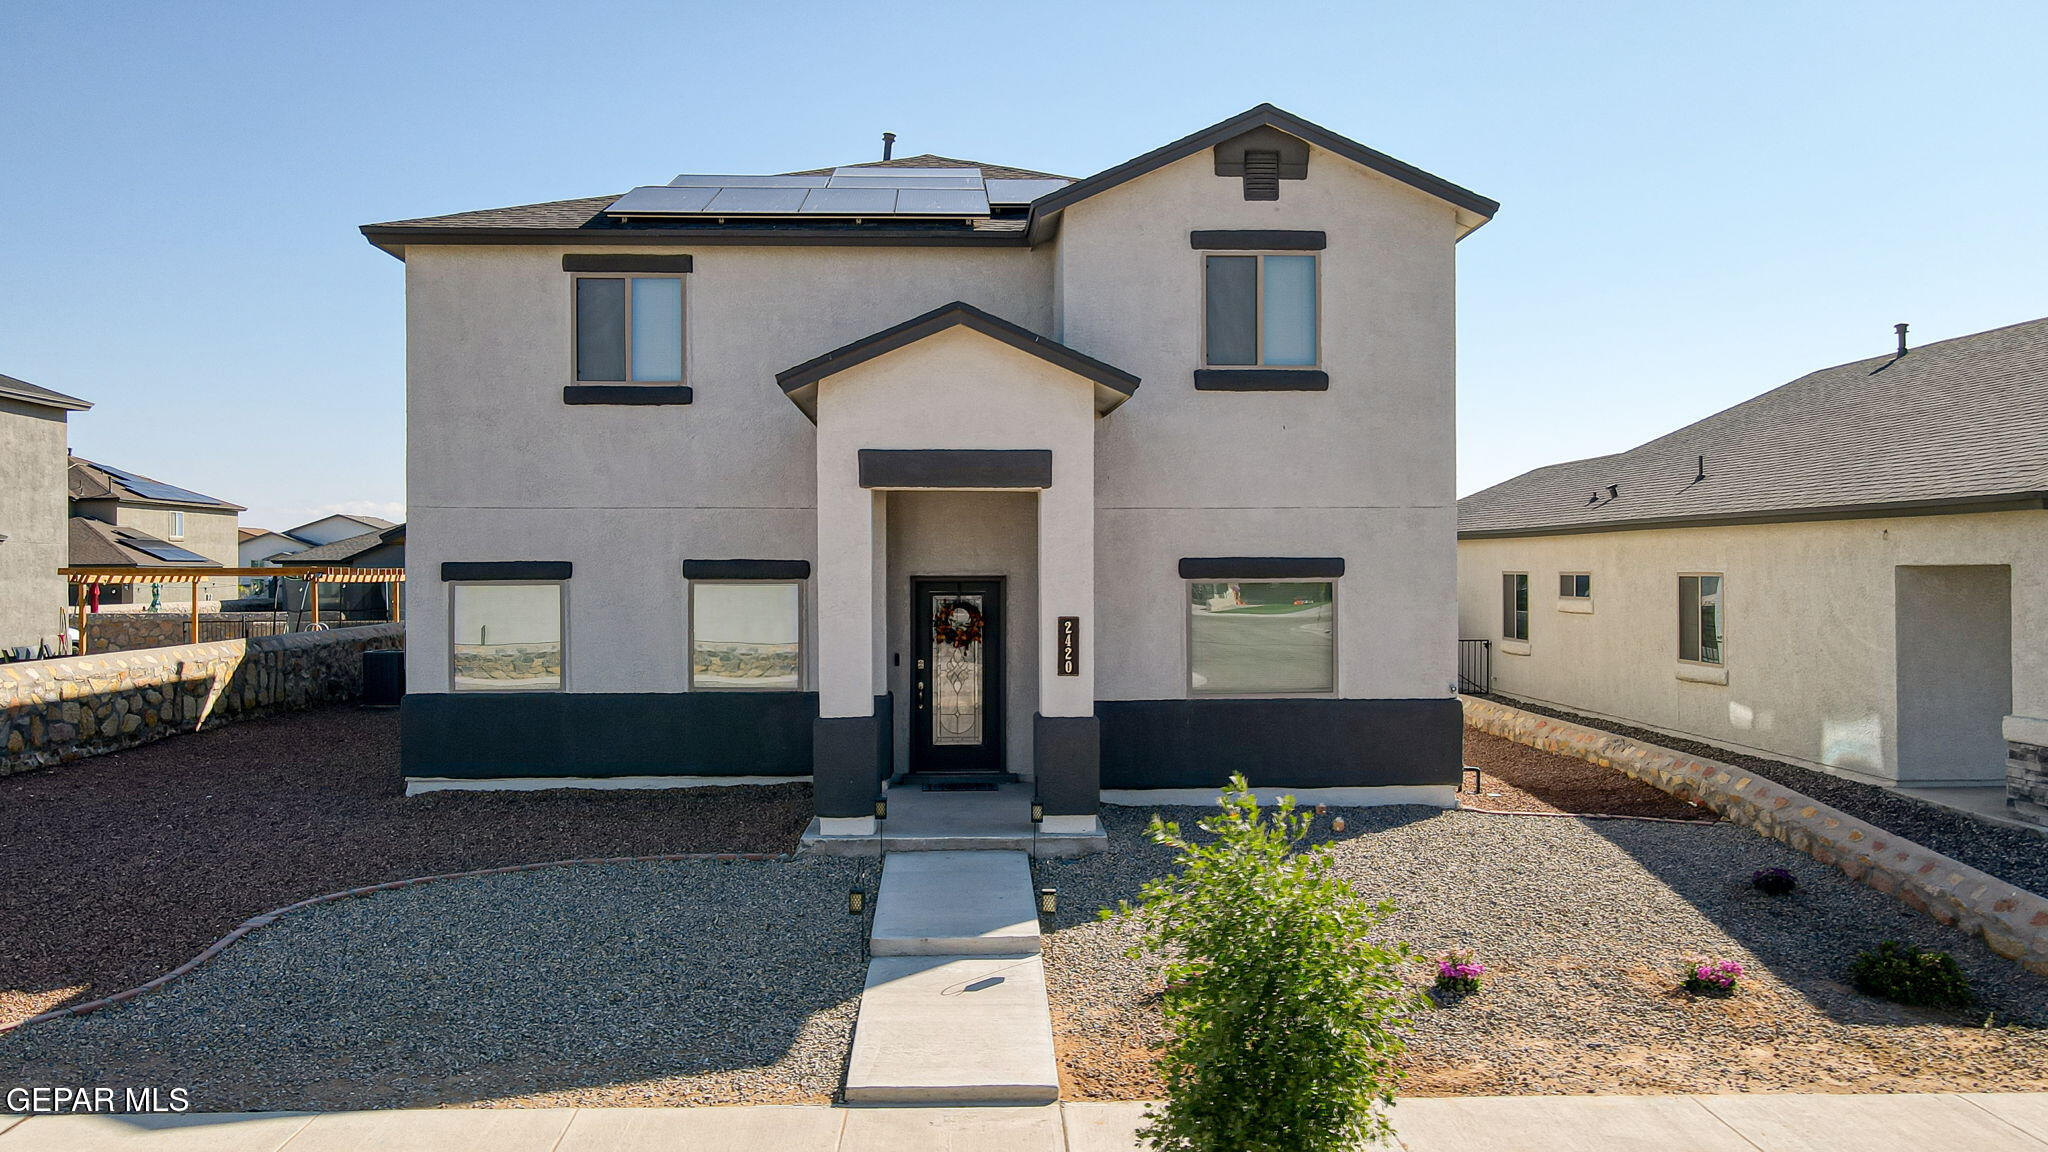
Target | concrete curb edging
(2013,922)
(264,919)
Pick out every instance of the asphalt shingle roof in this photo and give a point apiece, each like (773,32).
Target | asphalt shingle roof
(90,481)
(927,160)
(1951,422)
(37,394)
(96,544)
(339,551)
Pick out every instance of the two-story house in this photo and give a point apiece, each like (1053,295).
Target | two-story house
(34,425)
(125,519)
(875,437)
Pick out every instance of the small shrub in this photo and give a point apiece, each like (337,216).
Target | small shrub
(1457,975)
(1773,881)
(1908,975)
(1284,1017)
(1712,977)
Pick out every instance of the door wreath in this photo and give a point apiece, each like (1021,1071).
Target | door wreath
(957,623)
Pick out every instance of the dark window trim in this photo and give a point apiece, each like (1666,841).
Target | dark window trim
(484,570)
(746,569)
(955,468)
(1261,380)
(627,394)
(1258,240)
(1261,567)
(592,263)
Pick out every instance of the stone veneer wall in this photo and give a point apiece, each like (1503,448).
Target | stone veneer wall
(2026,781)
(54,711)
(2012,921)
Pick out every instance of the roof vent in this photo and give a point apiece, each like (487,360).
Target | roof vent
(1261,174)
(888,144)
(1901,330)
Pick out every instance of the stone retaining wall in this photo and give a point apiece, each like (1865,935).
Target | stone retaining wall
(2012,921)
(2026,780)
(53,711)
(129,631)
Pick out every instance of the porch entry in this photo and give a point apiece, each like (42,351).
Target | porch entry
(956,720)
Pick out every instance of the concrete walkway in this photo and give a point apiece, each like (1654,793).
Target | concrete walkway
(1758,1123)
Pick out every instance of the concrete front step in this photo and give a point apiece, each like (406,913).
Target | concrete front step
(955,904)
(953,1030)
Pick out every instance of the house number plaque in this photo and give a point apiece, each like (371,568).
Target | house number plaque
(1070,646)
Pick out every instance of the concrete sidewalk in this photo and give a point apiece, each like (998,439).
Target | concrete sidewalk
(1757,1123)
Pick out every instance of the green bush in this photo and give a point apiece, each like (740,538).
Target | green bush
(1284,1018)
(1907,975)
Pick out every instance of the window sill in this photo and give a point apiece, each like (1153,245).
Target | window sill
(1515,647)
(1703,673)
(1582,607)
(626,394)
(1261,380)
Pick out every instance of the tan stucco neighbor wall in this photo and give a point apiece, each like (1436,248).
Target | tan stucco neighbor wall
(1812,660)
(32,517)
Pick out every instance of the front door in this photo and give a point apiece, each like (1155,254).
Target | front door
(956,682)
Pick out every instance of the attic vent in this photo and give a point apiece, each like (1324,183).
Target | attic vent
(1261,175)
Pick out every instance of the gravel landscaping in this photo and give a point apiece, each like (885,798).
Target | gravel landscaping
(121,867)
(676,983)
(2015,855)
(1583,924)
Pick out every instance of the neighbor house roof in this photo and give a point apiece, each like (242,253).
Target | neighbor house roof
(1113,385)
(97,544)
(1958,425)
(584,219)
(247,534)
(37,394)
(346,549)
(90,481)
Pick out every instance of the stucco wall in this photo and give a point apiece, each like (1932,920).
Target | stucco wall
(1364,471)
(498,468)
(1811,623)
(210,534)
(32,517)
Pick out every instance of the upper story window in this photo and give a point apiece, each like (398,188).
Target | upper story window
(177,525)
(1260,310)
(629,328)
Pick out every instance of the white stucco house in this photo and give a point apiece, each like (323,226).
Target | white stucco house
(876,438)
(1849,572)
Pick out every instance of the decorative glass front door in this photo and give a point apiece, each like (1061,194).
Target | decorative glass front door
(956,679)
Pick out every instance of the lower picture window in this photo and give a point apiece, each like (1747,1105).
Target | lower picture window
(746,635)
(1262,637)
(508,637)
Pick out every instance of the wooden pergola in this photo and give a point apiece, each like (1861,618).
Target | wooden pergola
(86,576)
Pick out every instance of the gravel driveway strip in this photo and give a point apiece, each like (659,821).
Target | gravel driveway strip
(1583,923)
(674,983)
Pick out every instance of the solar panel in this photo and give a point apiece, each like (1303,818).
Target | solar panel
(688,180)
(1021,191)
(663,199)
(156,490)
(871,171)
(970,182)
(170,553)
(851,201)
(941,202)
(757,201)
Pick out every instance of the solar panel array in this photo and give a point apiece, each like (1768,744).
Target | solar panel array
(156,489)
(857,192)
(169,553)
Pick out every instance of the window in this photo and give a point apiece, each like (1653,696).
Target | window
(177,525)
(629,328)
(1514,606)
(746,634)
(1699,619)
(1261,311)
(1574,586)
(507,637)
(1262,637)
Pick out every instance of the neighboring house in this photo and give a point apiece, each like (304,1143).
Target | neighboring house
(1849,572)
(33,543)
(168,524)
(339,526)
(378,548)
(849,474)
(258,546)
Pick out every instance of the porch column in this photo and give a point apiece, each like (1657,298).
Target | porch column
(846,740)
(1066,742)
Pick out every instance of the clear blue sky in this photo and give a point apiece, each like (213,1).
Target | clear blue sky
(1700,201)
